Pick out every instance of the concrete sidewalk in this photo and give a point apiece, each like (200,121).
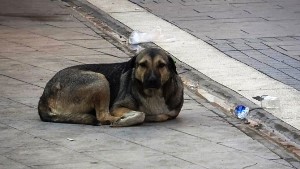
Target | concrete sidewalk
(40,37)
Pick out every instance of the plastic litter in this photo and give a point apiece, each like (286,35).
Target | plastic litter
(270,102)
(156,35)
(136,48)
(241,111)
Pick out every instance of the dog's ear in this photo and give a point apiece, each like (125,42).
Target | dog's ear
(172,66)
(131,62)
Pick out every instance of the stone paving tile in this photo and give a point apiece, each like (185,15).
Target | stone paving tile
(281,42)
(71,36)
(45,156)
(222,41)
(92,44)
(221,134)
(26,73)
(295,73)
(49,63)
(19,91)
(269,39)
(241,20)
(171,145)
(253,40)
(76,165)
(18,139)
(14,47)
(67,50)
(65,24)
(11,164)
(84,31)
(258,46)
(19,34)
(235,14)
(143,158)
(281,50)
(112,52)
(281,57)
(248,145)
(93,59)
(270,62)
(12,110)
(163,10)
(46,30)
(224,47)
(38,9)
(265,59)
(241,46)
(290,47)
(210,160)
(287,79)
(36,42)
(238,55)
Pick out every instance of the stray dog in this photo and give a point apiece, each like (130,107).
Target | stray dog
(145,88)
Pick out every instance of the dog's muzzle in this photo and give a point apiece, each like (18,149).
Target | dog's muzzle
(152,81)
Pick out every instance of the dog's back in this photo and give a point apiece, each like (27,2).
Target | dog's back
(112,72)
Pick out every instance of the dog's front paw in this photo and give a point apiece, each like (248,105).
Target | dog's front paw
(129,119)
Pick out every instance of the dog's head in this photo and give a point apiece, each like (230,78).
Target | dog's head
(153,68)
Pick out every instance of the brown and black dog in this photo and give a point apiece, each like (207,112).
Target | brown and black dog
(145,88)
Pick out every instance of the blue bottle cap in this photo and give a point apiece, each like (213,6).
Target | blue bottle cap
(241,111)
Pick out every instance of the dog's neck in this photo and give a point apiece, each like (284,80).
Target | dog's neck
(154,103)
(153,92)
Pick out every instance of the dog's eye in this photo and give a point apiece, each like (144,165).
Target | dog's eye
(143,65)
(161,65)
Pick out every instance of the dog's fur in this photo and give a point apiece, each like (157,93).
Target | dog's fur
(146,88)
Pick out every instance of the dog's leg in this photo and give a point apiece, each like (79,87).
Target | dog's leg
(49,112)
(103,115)
(101,99)
(157,118)
(58,117)
(127,117)
(162,117)
(77,119)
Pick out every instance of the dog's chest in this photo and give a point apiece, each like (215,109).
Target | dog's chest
(154,105)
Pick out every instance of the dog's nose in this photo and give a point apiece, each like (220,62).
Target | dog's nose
(152,81)
(152,77)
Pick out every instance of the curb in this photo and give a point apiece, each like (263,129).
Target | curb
(270,127)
